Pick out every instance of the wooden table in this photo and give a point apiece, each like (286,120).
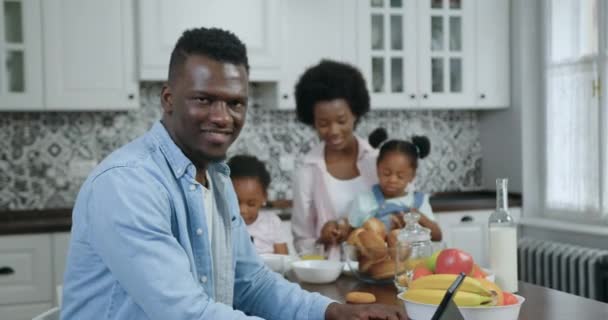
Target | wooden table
(541,303)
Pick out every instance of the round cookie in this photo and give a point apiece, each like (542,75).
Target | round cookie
(358,297)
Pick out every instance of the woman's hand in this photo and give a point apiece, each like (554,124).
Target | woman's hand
(337,311)
(330,233)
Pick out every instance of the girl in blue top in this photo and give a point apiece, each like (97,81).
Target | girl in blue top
(389,199)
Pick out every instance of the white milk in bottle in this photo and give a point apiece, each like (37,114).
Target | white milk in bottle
(503,241)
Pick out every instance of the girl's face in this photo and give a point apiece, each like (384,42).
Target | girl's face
(395,172)
(335,122)
(251,197)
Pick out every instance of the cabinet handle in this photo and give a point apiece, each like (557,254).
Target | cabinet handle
(285,96)
(466,219)
(131,96)
(5,271)
(412,96)
(424,96)
(482,96)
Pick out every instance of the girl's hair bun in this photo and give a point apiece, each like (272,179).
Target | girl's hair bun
(423,146)
(377,136)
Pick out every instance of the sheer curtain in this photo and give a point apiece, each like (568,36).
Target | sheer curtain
(573,150)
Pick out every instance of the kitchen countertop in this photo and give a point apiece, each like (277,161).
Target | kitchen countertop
(60,220)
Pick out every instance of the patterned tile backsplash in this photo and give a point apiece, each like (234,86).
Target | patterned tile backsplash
(45,156)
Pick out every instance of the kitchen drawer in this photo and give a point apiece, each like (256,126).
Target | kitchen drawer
(23,311)
(25,264)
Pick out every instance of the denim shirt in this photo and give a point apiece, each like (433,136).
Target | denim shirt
(139,247)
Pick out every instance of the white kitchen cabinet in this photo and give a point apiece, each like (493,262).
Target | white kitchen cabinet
(255,22)
(61,243)
(314,30)
(468,231)
(20,56)
(25,273)
(23,311)
(89,55)
(435,53)
(31,267)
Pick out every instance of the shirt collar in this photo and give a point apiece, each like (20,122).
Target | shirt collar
(178,162)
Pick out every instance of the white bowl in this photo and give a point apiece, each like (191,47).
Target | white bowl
(279,263)
(317,271)
(423,311)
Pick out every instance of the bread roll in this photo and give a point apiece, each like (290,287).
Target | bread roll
(358,297)
(353,237)
(372,246)
(383,270)
(375,225)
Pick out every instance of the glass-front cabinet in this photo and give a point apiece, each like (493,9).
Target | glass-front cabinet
(423,53)
(20,55)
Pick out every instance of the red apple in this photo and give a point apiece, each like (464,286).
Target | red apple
(454,261)
(421,271)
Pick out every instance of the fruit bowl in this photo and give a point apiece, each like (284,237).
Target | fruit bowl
(423,311)
(373,265)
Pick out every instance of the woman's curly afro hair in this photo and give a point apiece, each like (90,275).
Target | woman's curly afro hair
(330,80)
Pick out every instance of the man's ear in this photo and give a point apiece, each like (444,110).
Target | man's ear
(166,99)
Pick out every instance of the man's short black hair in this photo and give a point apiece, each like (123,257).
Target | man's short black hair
(217,44)
(245,166)
(330,80)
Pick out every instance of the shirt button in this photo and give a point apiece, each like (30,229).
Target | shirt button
(204,279)
(192,187)
(199,231)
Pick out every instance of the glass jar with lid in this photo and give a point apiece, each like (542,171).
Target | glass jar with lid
(414,247)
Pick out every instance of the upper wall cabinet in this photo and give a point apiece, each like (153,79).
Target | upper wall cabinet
(67,55)
(306,42)
(89,57)
(435,53)
(20,55)
(255,22)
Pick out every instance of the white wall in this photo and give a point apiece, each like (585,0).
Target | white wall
(505,141)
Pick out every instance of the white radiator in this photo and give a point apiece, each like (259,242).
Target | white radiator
(574,269)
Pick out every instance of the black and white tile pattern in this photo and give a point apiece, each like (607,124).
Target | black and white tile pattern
(39,150)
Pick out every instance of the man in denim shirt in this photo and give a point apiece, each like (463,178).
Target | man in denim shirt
(156,230)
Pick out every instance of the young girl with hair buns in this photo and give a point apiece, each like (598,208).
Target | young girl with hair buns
(390,199)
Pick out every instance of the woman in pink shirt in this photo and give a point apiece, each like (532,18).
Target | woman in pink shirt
(330,97)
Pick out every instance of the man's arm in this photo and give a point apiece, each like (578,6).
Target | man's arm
(130,229)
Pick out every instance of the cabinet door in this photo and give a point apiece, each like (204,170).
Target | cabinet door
(466,230)
(20,55)
(61,243)
(388,51)
(255,22)
(23,311)
(89,54)
(492,50)
(25,269)
(446,48)
(306,43)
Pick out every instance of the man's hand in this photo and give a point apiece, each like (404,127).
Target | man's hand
(337,311)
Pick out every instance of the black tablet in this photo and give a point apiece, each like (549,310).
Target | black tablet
(447,308)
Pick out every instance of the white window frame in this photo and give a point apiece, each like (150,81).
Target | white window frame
(541,211)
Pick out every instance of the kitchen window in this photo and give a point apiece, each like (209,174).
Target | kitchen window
(575,122)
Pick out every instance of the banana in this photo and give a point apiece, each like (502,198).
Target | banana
(443,282)
(434,296)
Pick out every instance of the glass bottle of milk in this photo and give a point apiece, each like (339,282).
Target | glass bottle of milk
(503,241)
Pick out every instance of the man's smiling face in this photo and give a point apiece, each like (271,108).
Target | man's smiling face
(205,107)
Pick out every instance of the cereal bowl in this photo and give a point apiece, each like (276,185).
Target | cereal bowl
(317,271)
